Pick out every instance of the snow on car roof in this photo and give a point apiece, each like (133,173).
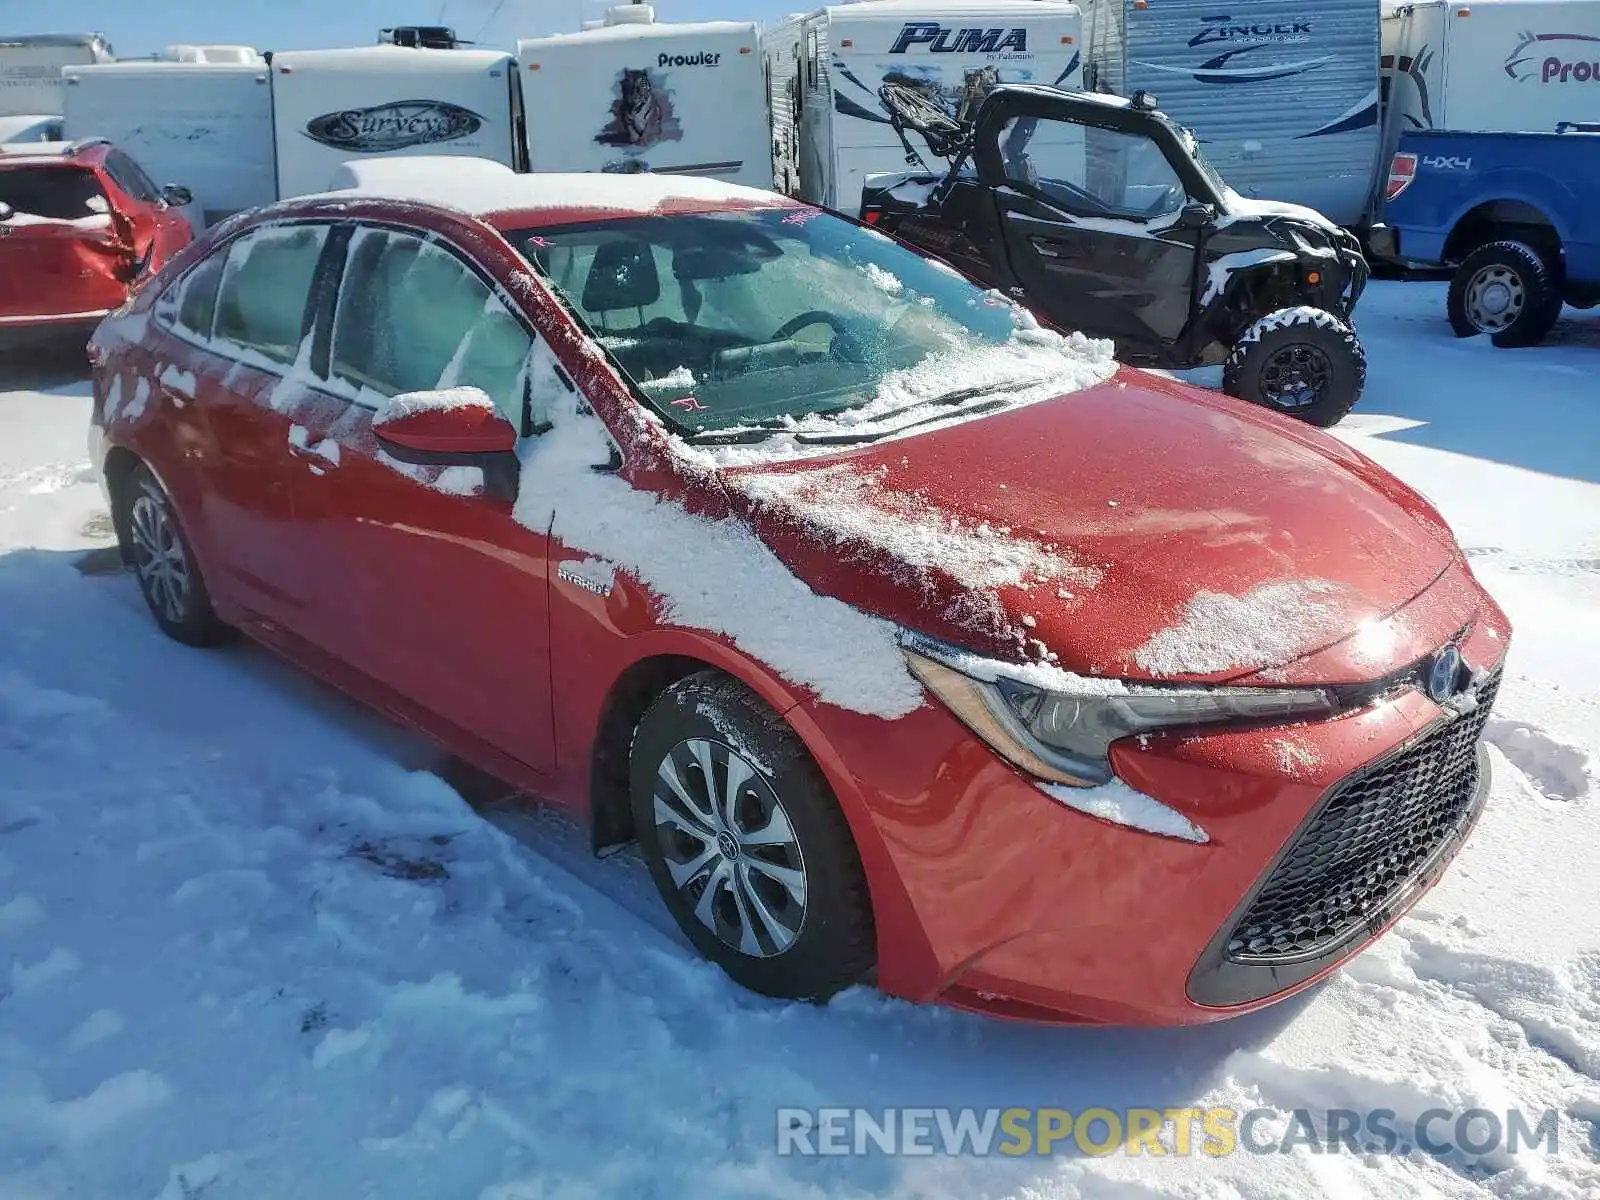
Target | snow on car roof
(480,186)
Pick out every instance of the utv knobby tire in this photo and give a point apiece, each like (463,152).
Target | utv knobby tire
(1532,283)
(147,521)
(834,944)
(1311,333)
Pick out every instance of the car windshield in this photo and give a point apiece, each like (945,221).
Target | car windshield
(757,318)
(1192,145)
(59,193)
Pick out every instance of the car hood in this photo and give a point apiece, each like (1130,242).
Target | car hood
(1246,206)
(1141,528)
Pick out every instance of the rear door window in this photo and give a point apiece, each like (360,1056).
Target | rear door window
(413,317)
(59,193)
(261,298)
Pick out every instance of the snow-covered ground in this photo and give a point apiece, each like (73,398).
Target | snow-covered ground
(251,947)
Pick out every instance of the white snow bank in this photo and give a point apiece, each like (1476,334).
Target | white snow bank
(1268,626)
(1122,805)
(714,575)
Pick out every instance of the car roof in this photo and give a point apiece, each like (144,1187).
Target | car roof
(89,153)
(509,200)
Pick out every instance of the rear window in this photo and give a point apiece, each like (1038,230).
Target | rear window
(60,193)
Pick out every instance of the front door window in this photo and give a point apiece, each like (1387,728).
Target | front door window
(1088,171)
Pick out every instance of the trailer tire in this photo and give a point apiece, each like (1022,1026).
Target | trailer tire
(1303,362)
(1505,289)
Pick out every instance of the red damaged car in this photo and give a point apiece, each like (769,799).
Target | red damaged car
(80,225)
(914,643)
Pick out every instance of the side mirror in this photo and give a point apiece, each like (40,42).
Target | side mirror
(458,427)
(455,424)
(6,211)
(177,196)
(1196,215)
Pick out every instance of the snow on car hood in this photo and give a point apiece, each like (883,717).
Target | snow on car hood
(1247,206)
(1140,529)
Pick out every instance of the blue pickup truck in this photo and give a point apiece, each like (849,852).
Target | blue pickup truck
(1515,215)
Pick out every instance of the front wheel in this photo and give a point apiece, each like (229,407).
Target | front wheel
(747,844)
(1507,290)
(1302,362)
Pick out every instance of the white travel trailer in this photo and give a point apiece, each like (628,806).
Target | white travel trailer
(1283,95)
(204,124)
(1514,66)
(31,102)
(633,95)
(247,55)
(827,71)
(330,106)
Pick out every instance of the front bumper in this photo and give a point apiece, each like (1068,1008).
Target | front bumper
(993,898)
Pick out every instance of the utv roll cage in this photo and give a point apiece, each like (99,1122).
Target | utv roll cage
(955,141)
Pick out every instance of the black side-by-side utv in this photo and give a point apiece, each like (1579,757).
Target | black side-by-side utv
(1103,216)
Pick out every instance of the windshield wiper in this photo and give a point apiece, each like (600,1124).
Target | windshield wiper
(942,400)
(759,431)
(872,435)
(739,435)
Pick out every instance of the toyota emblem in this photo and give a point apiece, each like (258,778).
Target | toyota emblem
(1443,674)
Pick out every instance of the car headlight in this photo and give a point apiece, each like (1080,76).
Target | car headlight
(1059,727)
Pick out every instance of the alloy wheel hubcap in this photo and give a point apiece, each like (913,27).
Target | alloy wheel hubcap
(158,555)
(1296,376)
(729,847)
(1495,298)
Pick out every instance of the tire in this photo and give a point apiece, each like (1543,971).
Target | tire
(1507,290)
(1303,362)
(819,936)
(163,562)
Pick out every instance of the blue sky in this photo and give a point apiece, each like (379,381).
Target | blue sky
(136,27)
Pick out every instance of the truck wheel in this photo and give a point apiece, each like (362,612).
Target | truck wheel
(1302,362)
(1507,290)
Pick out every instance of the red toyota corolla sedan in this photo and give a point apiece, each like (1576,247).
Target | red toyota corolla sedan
(80,226)
(913,642)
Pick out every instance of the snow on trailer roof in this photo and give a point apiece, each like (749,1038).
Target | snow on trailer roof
(900,10)
(628,32)
(481,186)
(388,59)
(160,66)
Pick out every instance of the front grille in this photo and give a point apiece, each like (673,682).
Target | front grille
(1366,844)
